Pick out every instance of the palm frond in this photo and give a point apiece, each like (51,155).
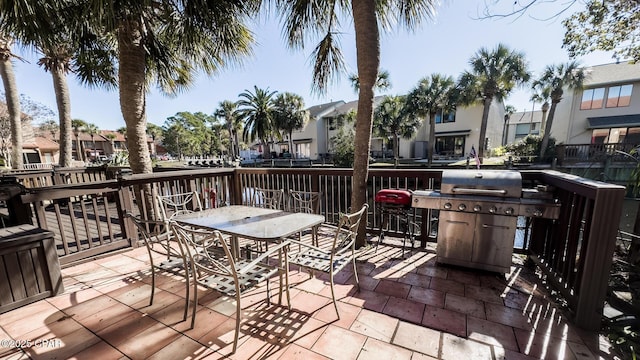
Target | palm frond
(328,62)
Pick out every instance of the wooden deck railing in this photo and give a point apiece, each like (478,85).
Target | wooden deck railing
(575,252)
(572,153)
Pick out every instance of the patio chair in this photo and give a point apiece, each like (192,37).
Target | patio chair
(305,202)
(220,271)
(159,244)
(266,198)
(173,205)
(333,259)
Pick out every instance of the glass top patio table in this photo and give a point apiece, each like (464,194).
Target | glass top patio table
(252,222)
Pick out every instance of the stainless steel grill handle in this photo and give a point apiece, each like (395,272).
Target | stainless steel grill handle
(468,191)
(486,226)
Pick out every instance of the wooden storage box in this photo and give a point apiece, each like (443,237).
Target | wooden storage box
(29,266)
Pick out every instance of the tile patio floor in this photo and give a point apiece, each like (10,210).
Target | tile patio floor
(406,309)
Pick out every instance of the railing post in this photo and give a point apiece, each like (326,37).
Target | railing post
(124,204)
(236,191)
(598,257)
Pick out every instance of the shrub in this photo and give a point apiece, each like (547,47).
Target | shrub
(530,147)
(343,148)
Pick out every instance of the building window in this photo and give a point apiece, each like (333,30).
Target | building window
(619,96)
(448,117)
(522,130)
(616,135)
(450,146)
(592,99)
(303,150)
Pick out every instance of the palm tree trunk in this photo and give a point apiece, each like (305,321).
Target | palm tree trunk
(432,137)
(132,73)
(132,88)
(64,115)
(545,110)
(368,61)
(396,147)
(547,129)
(291,152)
(483,126)
(13,105)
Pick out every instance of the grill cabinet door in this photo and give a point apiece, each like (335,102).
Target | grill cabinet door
(455,236)
(493,243)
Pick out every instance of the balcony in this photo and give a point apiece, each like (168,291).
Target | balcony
(409,307)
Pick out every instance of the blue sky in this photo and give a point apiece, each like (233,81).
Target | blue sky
(444,45)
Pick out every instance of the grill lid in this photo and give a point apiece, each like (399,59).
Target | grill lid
(499,183)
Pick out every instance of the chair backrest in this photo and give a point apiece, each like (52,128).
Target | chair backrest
(208,254)
(347,231)
(176,204)
(304,201)
(155,236)
(266,198)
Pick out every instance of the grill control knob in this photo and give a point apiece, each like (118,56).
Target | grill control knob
(462,207)
(447,206)
(477,208)
(493,209)
(508,211)
(537,212)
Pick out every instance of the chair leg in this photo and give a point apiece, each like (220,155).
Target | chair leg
(186,290)
(286,280)
(333,295)
(153,283)
(355,272)
(238,318)
(195,302)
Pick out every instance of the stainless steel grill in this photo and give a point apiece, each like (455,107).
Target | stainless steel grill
(478,215)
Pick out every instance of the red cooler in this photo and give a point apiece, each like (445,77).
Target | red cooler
(394,197)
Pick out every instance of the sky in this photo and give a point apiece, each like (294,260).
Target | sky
(442,45)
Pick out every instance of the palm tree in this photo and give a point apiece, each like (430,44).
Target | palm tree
(13,100)
(556,78)
(228,111)
(111,137)
(57,32)
(50,126)
(289,114)
(311,18)
(78,127)
(541,94)
(433,95)
(493,75)
(392,118)
(257,111)
(155,132)
(382,82)
(92,130)
(123,131)
(508,111)
(158,41)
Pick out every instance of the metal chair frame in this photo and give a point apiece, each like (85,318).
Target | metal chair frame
(305,202)
(213,266)
(157,240)
(173,205)
(341,253)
